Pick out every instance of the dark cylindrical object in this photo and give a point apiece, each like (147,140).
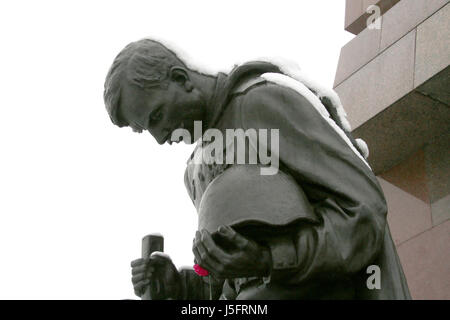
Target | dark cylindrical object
(150,244)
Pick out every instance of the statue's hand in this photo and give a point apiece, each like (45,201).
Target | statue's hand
(157,271)
(248,259)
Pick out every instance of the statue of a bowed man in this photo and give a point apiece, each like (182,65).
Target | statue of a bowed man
(308,231)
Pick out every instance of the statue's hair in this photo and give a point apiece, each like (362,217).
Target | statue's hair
(145,63)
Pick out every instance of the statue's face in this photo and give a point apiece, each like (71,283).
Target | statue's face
(160,111)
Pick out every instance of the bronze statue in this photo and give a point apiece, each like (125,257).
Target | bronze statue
(288,207)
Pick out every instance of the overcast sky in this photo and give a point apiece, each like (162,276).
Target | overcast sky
(77,194)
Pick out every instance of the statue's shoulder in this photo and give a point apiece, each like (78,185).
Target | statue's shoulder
(264,88)
(275,103)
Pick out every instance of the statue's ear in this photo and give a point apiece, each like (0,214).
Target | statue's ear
(181,76)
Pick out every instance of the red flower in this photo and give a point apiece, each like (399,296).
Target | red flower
(200,271)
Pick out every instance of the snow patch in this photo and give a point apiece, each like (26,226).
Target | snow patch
(186,267)
(363,147)
(156,234)
(293,70)
(160,254)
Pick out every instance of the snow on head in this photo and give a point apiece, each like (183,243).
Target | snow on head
(189,61)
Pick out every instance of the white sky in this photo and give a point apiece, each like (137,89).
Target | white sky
(77,194)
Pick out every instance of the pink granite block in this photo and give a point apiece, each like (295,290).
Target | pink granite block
(410,176)
(408,216)
(433,46)
(404,17)
(426,263)
(353,10)
(379,83)
(356,53)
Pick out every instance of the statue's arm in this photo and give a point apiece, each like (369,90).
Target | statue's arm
(348,201)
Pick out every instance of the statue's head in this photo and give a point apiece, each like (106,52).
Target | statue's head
(149,88)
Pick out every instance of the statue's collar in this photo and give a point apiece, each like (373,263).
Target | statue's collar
(226,83)
(221,83)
